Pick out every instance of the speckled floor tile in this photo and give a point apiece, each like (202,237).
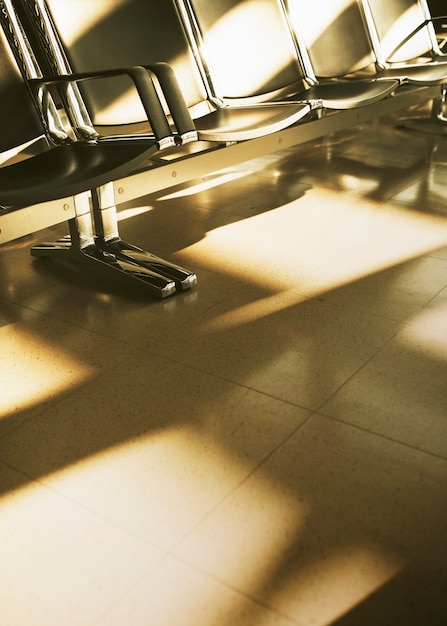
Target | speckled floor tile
(134,319)
(397,293)
(20,278)
(43,359)
(441,253)
(297,352)
(152,446)
(179,594)
(333,520)
(402,391)
(60,564)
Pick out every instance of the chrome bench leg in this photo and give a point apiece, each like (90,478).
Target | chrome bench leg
(109,240)
(80,247)
(433,124)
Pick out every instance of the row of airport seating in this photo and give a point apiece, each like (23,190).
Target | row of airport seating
(107,100)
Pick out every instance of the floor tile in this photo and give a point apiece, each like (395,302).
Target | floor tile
(43,359)
(376,161)
(397,293)
(59,563)
(178,594)
(131,318)
(402,391)
(20,275)
(334,519)
(316,242)
(441,253)
(152,446)
(297,352)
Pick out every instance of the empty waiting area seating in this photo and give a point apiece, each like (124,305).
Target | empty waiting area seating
(161,103)
(403,32)
(42,184)
(405,43)
(110,35)
(213,69)
(343,28)
(266,63)
(346,28)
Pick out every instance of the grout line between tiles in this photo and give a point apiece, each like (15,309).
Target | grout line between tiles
(380,436)
(240,483)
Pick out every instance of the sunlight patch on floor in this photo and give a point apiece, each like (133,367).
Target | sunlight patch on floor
(156,487)
(333,585)
(427,333)
(34,371)
(312,245)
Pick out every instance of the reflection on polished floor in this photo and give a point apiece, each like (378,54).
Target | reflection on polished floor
(268,449)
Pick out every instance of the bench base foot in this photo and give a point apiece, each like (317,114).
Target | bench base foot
(123,251)
(120,267)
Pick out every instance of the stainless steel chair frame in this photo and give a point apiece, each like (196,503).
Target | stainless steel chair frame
(93,219)
(408,77)
(384,62)
(304,85)
(430,70)
(91,198)
(213,124)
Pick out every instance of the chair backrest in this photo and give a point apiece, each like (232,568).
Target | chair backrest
(437,7)
(20,122)
(246,46)
(400,29)
(333,34)
(96,35)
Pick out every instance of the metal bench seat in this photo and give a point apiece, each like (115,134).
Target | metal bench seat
(405,44)
(342,29)
(42,184)
(404,41)
(249,53)
(402,32)
(110,35)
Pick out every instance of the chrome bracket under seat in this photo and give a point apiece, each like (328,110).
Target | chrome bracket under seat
(82,247)
(108,239)
(433,124)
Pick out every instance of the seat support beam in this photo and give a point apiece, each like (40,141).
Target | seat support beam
(166,174)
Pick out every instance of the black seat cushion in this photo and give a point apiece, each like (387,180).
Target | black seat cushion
(69,169)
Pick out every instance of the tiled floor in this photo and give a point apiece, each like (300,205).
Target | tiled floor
(268,449)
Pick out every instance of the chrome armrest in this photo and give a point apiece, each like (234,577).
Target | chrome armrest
(143,83)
